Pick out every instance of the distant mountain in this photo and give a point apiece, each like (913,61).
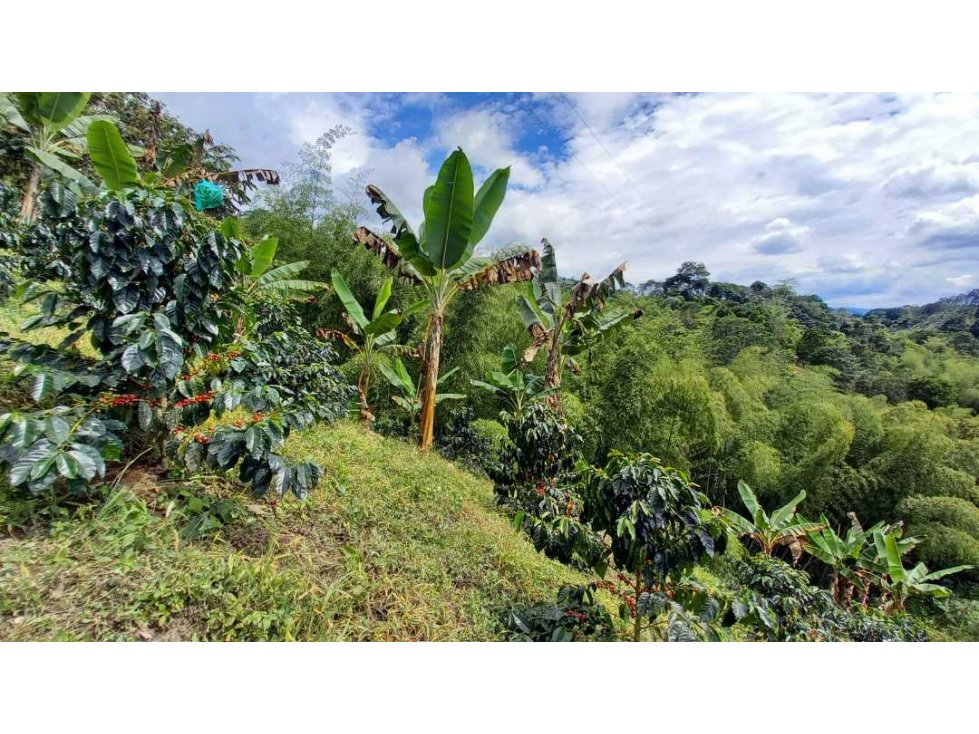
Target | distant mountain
(853,310)
(953,314)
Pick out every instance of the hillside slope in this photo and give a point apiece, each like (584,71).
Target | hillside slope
(392,545)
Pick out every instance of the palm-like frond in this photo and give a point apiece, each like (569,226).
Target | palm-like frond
(480,272)
(389,253)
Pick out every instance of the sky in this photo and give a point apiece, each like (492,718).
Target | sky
(867,200)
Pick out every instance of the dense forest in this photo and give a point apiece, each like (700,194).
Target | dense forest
(710,460)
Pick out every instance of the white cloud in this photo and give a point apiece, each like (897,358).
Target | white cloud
(950,226)
(868,199)
(781,237)
(937,180)
(961,281)
(485,135)
(832,184)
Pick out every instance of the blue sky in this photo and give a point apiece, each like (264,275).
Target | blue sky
(866,199)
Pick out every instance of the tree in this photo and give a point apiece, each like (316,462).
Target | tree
(440,257)
(571,322)
(261,279)
(933,390)
(843,554)
(948,528)
(691,281)
(659,530)
(158,289)
(902,582)
(369,336)
(511,386)
(54,130)
(782,527)
(312,185)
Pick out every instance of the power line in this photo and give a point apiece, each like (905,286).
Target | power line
(569,103)
(548,125)
(633,187)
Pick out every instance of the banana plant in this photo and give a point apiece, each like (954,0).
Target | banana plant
(439,258)
(783,527)
(54,132)
(902,583)
(410,399)
(845,555)
(569,322)
(369,337)
(261,280)
(511,386)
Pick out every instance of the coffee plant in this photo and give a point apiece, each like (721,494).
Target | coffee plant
(535,481)
(9,243)
(575,617)
(777,602)
(659,530)
(541,447)
(158,290)
(458,440)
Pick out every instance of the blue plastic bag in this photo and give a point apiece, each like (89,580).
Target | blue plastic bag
(208,195)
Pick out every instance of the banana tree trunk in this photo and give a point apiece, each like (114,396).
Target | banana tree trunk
(836,586)
(430,376)
(552,375)
(30,193)
(363,384)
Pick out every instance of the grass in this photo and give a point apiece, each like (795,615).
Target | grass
(393,545)
(12,315)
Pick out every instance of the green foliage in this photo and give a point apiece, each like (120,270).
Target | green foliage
(459,440)
(370,337)
(782,528)
(492,433)
(205,513)
(511,386)
(535,481)
(148,288)
(657,521)
(52,132)
(410,398)
(575,617)
(845,556)
(440,257)
(778,603)
(10,258)
(735,385)
(569,323)
(952,512)
(932,390)
(283,377)
(540,448)
(393,545)
(155,287)
(478,327)
(110,156)
(71,445)
(902,582)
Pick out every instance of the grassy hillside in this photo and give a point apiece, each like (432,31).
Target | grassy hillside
(393,545)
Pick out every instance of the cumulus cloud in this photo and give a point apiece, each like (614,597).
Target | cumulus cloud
(835,264)
(961,281)
(952,227)
(952,179)
(868,196)
(486,136)
(781,237)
